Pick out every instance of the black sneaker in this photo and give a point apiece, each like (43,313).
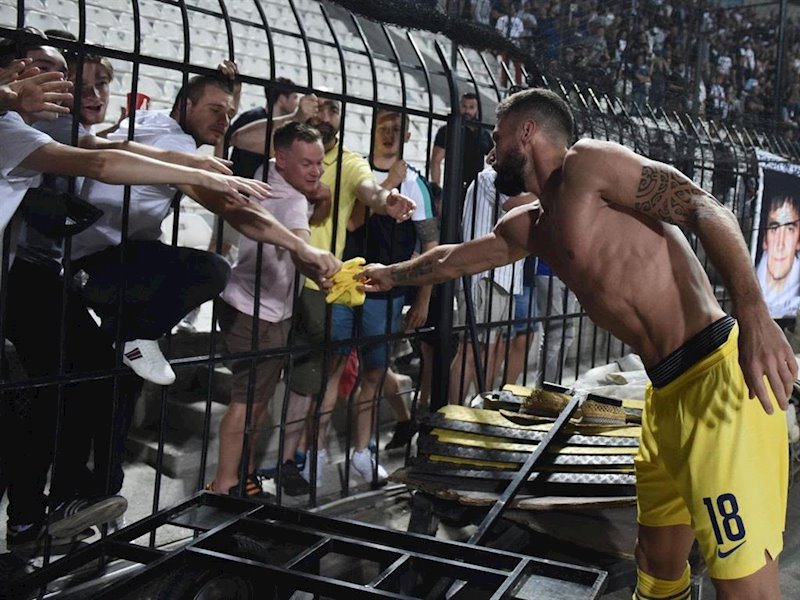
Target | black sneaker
(73,516)
(292,481)
(31,541)
(403,432)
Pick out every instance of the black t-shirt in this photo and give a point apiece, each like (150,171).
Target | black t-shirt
(245,163)
(477,144)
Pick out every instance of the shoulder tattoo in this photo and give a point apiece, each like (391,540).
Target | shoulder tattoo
(666,194)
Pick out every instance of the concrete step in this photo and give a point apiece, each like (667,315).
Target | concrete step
(182,452)
(190,417)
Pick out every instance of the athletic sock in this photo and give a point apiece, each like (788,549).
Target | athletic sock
(652,588)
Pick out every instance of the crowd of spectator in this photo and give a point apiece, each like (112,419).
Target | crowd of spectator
(125,270)
(679,55)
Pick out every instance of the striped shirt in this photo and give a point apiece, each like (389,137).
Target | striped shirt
(482,209)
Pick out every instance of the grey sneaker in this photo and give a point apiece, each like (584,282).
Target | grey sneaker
(363,462)
(73,516)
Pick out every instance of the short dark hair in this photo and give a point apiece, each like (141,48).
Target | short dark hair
(196,87)
(469,96)
(548,109)
(293,131)
(779,200)
(279,87)
(10,49)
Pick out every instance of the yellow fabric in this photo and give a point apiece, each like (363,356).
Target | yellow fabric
(652,588)
(345,288)
(355,170)
(710,457)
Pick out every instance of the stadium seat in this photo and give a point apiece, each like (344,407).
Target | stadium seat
(42,20)
(101,17)
(8,15)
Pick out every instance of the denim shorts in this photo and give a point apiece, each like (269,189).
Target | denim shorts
(372,323)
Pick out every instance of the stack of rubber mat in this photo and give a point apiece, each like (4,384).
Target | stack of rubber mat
(471,454)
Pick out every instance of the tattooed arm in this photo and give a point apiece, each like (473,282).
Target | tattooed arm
(501,247)
(662,192)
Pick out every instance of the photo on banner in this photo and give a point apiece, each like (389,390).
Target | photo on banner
(776,236)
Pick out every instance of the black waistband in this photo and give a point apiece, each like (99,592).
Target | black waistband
(690,352)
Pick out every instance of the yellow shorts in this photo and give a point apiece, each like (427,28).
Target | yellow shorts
(711,458)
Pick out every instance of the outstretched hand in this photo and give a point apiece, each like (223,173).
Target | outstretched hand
(318,265)
(766,358)
(43,92)
(207,162)
(399,207)
(375,277)
(15,69)
(237,190)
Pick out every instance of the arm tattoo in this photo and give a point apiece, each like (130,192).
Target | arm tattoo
(667,195)
(409,275)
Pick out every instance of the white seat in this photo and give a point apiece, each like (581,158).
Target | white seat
(8,15)
(60,8)
(101,16)
(150,8)
(162,47)
(43,21)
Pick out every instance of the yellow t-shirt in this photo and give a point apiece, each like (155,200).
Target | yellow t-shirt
(355,169)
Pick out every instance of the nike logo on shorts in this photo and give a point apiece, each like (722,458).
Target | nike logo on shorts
(726,553)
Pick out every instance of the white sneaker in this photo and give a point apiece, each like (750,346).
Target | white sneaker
(146,360)
(322,460)
(363,462)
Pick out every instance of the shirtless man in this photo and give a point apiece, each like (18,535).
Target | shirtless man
(710,456)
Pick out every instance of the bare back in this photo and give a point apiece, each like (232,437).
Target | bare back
(634,274)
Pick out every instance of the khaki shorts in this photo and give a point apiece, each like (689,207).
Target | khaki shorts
(305,374)
(711,458)
(237,331)
(492,304)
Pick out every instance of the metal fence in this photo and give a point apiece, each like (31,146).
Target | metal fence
(157,45)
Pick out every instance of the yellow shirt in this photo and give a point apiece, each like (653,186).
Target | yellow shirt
(355,169)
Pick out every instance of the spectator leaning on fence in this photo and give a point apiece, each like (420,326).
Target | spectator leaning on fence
(490,292)
(379,238)
(294,172)
(357,185)
(24,155)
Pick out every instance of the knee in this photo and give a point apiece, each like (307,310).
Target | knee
(219,272)
(659,560)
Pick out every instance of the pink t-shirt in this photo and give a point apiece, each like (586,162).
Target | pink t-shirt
(290,207)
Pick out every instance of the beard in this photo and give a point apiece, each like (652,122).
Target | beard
(327,132)
(509,178)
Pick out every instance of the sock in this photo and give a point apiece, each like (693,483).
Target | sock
(652,588)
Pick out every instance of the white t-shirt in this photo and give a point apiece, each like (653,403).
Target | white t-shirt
(290,208)
(149,204)
(413,187)
(19,140)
